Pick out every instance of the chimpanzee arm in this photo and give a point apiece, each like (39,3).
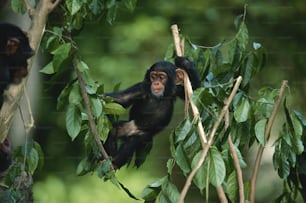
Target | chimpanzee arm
(128,96)
(193,74)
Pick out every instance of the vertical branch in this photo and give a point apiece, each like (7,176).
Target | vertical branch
(209,143)
(236,160)
(92,124)
(267,134)
(187,85)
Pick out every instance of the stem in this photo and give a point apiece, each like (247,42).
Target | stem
(267,133)
(91,120)
(209,143)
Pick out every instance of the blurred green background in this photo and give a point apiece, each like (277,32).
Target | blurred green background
(121,53)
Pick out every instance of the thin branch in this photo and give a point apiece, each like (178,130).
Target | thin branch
(209,143)
(235,159)
(187,85)
(267,134)
(92,124)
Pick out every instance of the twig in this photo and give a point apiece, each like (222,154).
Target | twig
(236,160)
(209,143)
(92,124)
(267,134)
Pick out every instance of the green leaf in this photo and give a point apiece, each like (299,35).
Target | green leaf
(247,70)
(32,160)
(171,192)
(48,69)
(103,127)
(300,117)
(60,55)
(217,167)
(75,95)
(182,159)
(232,187)
(238,20)
(73,121)
(74,6)
(260,128)
(96,106)
(114,108)
(201,175)
(297,125)
(243,36)
(182,130)
(242,111)
(63,97)
(82,66)
(151,191)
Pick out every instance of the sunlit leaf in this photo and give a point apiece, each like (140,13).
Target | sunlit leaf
(82,66)
(260,128)
(242,111)
(48,69)
(216,167)
(114,108)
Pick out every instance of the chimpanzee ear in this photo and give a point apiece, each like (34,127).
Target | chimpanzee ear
(179,76)
(11,46)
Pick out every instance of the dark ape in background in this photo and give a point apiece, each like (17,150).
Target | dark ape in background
(152,103)
(14,52)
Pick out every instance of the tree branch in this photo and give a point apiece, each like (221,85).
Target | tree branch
(209,143)
(187,85)
(235,159)
(92,124)
(267,134)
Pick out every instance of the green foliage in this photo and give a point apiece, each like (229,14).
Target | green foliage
(218,66)
(26,160)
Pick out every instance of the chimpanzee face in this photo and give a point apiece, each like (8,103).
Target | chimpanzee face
(158,82)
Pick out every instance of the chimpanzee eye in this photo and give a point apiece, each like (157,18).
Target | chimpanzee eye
(152,77)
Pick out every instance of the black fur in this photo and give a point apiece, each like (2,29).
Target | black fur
(148,115)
